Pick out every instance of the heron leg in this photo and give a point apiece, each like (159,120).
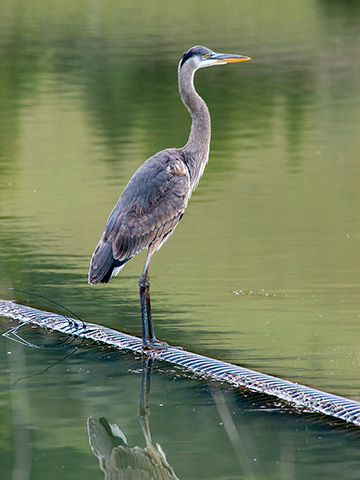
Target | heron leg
(148,335)
(151,332)
(142,290)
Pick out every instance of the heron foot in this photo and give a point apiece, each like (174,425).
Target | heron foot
(155,345)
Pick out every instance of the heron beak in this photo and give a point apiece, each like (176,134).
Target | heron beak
(221,58)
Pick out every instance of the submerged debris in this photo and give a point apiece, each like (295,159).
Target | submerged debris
(262,293)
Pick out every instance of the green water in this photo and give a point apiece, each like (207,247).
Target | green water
(88,91)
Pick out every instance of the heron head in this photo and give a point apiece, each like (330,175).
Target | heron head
(201,57)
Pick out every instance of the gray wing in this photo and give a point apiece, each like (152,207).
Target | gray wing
(147,212)
(151,205)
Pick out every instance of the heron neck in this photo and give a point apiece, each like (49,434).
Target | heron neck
(197,148)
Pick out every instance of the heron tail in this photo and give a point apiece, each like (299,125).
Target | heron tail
(103,265)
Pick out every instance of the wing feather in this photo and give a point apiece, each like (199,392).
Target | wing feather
(150,207)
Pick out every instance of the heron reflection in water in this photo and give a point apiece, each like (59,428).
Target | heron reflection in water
(117,459)
(155,199)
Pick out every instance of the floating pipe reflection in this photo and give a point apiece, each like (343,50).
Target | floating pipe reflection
(116,458)
(241,441)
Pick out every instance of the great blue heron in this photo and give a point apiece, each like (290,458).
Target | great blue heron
(156,196)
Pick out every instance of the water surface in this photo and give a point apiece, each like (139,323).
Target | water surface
(88,91)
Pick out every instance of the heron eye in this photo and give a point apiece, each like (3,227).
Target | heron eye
(207,55)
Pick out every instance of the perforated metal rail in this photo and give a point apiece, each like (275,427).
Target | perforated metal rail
(298,396)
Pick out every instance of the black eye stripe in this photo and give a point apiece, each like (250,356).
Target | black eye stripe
(186,56)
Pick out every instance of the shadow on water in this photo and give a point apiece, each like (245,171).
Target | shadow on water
(248,455)
(118,460)
(207,430)
(116,457)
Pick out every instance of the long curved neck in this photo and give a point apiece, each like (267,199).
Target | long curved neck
(197,148)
